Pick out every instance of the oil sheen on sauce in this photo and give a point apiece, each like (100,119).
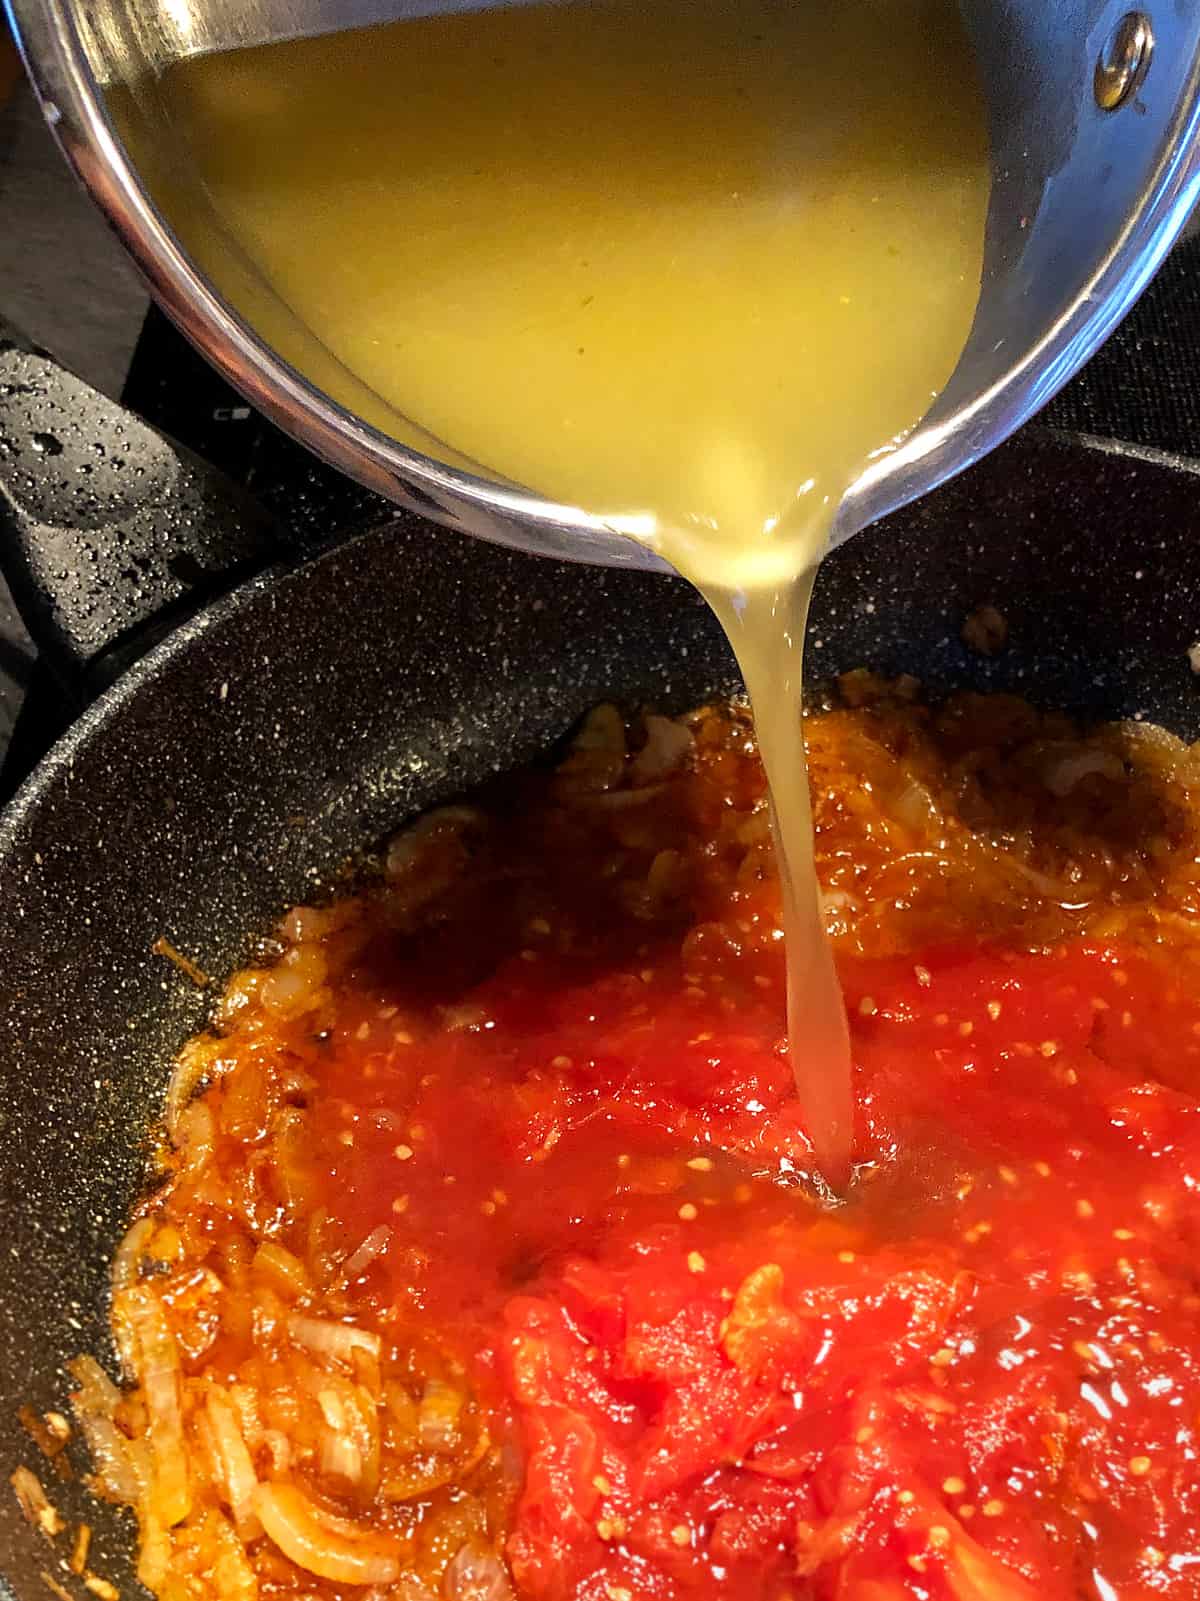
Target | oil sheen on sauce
(687,264)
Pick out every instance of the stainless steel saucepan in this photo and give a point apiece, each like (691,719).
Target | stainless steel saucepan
(1094,114)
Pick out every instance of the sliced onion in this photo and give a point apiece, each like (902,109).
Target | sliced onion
(332,1409)
(282,1270)
(424,1472)
(96,1393)
(350,1443)
(154,1554)
(341,1458)
(129,1254)
(119,1463)
(360,1259)
(304,924)
(325,1338)
(1061,774)
(437,1421)
(233,1577)
(411,842)
(35,1504)
(233,1457)
(196,1134)
(289,1169)
(406,1588)
(596,759)
(1152,736)
(193,1063)
(158,1372)
(476,1575)
(292,986)
(621,800)
(332,1548)
(1053,888)
(425,859)
(915,807)
(668,745)
(402,1414)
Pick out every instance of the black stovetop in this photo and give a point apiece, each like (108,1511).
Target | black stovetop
(1144,387)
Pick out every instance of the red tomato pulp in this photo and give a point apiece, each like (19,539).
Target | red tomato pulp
(543,1108)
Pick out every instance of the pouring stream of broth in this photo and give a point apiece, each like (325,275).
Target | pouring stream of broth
(687,264)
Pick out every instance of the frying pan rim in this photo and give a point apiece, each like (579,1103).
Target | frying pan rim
(144,670)
(91,722)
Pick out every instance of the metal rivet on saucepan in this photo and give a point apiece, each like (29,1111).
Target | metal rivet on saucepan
(1124,60)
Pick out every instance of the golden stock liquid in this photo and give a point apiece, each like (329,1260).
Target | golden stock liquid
(687,264)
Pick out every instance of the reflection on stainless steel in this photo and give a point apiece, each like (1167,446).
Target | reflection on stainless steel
(1086,201)
(170,30)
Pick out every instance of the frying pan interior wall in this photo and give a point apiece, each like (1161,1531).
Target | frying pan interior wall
(236,768)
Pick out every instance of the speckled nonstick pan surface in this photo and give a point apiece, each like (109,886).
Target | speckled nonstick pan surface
(236,767)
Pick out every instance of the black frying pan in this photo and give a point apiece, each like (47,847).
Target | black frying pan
(278,729)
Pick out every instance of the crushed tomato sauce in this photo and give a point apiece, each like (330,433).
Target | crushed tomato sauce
(519,1116)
